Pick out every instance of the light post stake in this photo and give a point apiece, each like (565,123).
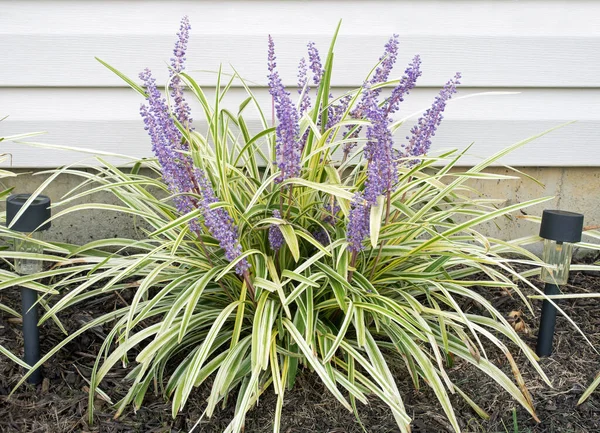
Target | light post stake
(560,230)
(32,223)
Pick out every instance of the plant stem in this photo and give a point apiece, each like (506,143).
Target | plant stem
(276,261)
(352,265)
(250,286)
(280,203)
(290,199)
(344,158)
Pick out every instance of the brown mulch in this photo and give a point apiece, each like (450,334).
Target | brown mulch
(59,404)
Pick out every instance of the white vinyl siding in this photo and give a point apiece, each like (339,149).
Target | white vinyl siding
(548,51)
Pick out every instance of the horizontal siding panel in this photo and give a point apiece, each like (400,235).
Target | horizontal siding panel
(465,17)
(494,44)
(108,120)
(469,103)
(68,60)
(558,149)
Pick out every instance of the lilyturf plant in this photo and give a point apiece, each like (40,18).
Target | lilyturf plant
(318,240)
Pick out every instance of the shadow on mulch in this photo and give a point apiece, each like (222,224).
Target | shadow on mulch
(60,403)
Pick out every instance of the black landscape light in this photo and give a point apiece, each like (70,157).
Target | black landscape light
(32,223)
(560,230)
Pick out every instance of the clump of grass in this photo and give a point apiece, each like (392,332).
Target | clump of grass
(252,268)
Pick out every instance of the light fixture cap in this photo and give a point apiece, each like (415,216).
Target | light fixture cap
(35,218)
(561,226)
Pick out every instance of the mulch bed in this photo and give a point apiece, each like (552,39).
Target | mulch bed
(60,403)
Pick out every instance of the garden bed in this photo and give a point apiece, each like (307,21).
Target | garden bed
(60,403)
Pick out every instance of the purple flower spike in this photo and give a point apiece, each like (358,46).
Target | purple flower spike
(177,168)
(276,239)
(407,83)
(322,237)
(220,224)
(388,59)
(165,139)
(303,87)
(315,63)
(381,75)
(178,59)
(181,108)
(358,225)
(331,210)
(351,135)
(182,178)
(338,111)
(426,126)
(288,147)
(382,171)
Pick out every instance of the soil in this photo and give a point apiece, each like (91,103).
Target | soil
(59,404)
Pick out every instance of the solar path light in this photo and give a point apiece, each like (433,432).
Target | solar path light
(32,223)
(560,231)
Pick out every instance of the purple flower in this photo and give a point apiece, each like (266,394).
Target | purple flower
(358,223)
(387,61)
(381,75)
(382,171)
(407,83)
(219,223)
(303,90)
(275,236)
(382,174)
(181,108)
(317,70)
(182,178)
(303,87)
(349,139)
(426,126)
(165,139)
(288,147)
(322,236)
(338,110)
(331,209)
(315,63)
(382,168)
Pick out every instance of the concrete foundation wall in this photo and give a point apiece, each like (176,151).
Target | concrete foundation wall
(77,227)
(573,189)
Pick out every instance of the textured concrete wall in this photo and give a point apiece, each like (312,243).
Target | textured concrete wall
(574,189)
(81,226)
